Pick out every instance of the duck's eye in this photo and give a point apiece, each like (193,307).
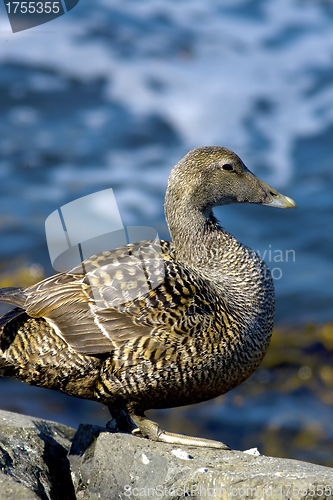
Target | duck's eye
(227,166)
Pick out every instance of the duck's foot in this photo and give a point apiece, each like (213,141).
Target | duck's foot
(121,421)
(148,428)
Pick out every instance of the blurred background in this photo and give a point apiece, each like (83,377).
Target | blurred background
(113,94)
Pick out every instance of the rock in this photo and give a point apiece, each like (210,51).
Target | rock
(10,489)
(109,465)
(33,459)
(48,461)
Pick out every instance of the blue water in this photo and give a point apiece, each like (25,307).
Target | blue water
(114,93)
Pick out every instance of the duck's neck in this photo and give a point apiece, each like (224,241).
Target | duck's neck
(197,236)
(233,269)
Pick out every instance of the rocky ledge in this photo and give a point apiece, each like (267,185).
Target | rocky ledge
(45,460)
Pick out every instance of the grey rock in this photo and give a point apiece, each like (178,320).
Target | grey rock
(108,465)
(33,458)
(11,489)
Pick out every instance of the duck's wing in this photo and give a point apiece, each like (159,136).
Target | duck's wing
(143,250)
(150,305)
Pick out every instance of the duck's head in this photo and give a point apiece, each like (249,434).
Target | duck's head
(212,176)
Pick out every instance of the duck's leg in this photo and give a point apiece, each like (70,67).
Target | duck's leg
(120,421)
(148,428)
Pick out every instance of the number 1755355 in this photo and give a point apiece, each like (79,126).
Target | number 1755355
(33,7)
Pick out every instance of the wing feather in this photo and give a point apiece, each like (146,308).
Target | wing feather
(138,301)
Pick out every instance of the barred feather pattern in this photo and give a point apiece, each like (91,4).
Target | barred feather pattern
(177,344)
(152,324)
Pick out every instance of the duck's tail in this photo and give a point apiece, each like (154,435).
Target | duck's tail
(13,295)
(9,324)
(16,297)
(10,321)
(30,350)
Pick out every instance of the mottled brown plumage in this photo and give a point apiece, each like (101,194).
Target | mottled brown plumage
(154,324)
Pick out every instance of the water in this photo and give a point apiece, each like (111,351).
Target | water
(114,93)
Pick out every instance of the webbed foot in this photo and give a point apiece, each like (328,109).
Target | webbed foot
(148,428)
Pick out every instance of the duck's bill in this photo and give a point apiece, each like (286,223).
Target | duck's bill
(276,199)
(281,201)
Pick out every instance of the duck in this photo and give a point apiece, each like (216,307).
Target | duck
(154,324)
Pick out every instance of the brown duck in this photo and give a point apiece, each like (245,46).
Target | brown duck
(199,332)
